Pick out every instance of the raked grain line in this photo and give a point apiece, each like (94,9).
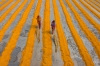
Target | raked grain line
(10,21)
(6,54)
(91,20)
(88,17)
(27,52)
(97,1)
(94,2)
(7,3)
(91,4)
(94,12)
(93,39)
(62,39)
(2,2)
(82,50)
(3,16)
(47,42)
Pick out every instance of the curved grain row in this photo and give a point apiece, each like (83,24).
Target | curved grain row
(8,11)
(97,1)
(47,42)
(97,4)
(98,9)
(88,17)
(83,51)
(5,57)
(7,3)
(93,39)
(95,13)
(27,52)
(62,39)
(10,21)
(2,2)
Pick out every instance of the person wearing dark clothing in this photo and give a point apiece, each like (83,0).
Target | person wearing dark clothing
(53,26)
(39,21)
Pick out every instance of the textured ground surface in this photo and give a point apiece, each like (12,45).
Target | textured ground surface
(18,42)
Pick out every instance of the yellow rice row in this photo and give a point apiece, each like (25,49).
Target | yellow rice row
(10,21)
(2,2)
(97,1)
(88,17)
(27,52)
(93,39)
(8,11)
(94,12)
(6,4)
(47,42)
(5,57)
(97,4)
(62,39)
(95,7)
(83,51)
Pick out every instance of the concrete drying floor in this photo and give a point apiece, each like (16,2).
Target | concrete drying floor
(37,51)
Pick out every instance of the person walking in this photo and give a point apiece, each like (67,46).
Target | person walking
(53,26)
(39,27)
(39,21)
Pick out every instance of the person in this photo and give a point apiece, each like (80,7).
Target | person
(53,26)
(39,21)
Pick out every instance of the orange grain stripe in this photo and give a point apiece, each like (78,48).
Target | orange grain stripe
(6,54)
(10,21)
(94,2)
(88,17)
(7,3)
(95,42)
(97,1)
(95,13)
(93,39)
(62,39)
(3,16)
(27,52)
(82,49)
(92,5)
(2,2)
(47,42)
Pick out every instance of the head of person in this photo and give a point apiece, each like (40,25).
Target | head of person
(38,16)
(53,21)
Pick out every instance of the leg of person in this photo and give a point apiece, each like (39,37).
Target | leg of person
(55,43)
(53,30)
(39,35)
(54,38)
(36,31)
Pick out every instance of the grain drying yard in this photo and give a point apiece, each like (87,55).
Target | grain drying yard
(77,33)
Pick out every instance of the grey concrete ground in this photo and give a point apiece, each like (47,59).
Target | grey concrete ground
(90,26)
(71,43)
(87,43)
(89,12)
(3,3)
(9,15)
(8,32)
(1,12)
(37,49)
(56,56)
(23,36)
